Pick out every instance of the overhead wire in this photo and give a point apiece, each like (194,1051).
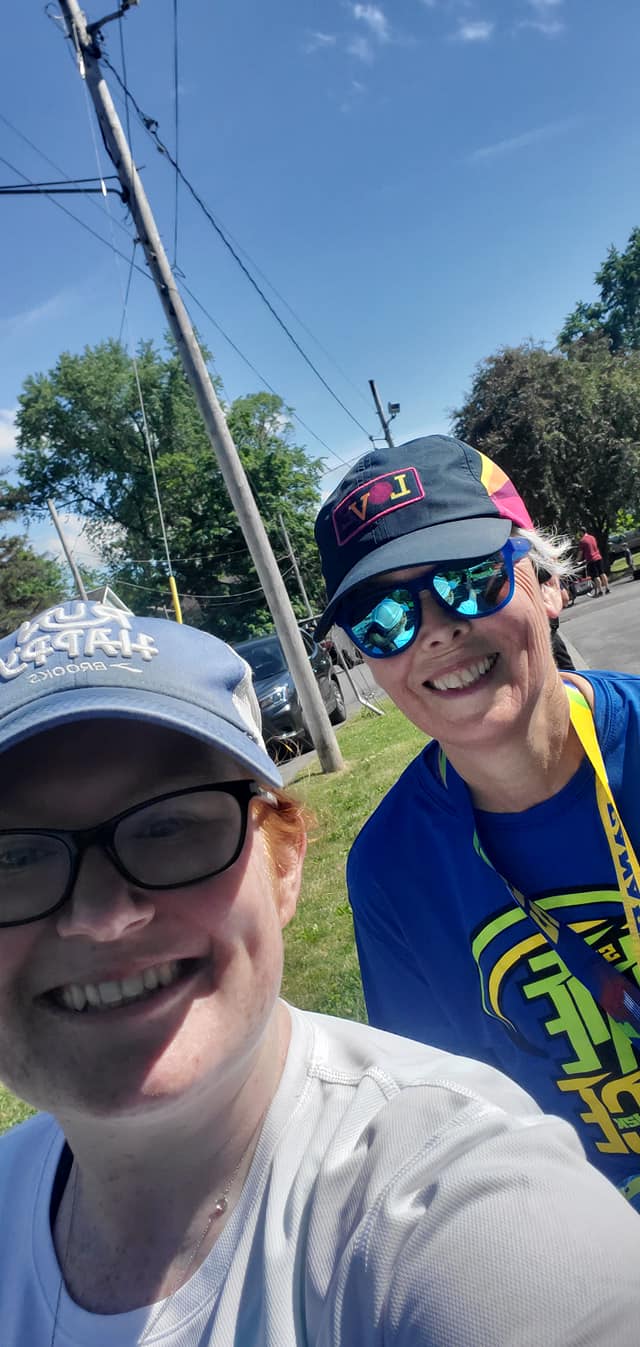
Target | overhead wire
(83,224)
(176,129)
(52,163)
(223,599)
(132,355)
(151,127)
(133,266)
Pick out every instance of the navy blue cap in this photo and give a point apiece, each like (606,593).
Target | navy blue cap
(432,499)
(87,661)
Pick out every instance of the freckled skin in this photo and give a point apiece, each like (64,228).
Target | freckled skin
(211,1038)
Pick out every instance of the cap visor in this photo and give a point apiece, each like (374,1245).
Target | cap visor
(112,703)
(457,540)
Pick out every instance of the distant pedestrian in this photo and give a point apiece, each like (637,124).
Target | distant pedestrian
(626,552)
(591,554)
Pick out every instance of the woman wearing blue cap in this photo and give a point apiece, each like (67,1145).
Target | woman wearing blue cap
(212,1165)
(511,927)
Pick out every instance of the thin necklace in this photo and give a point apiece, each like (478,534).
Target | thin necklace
(220,1207)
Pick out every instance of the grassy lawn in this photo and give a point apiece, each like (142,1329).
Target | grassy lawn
(619,566)
(321,969)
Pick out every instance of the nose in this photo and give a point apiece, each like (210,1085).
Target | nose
(438,627)
(104,906)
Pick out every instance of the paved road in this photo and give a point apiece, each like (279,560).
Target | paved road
(606,631)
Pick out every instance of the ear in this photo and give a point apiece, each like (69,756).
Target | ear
(552,596)
(290,878)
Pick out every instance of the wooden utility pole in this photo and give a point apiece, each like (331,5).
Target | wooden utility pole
(383,421)
(294,562)
(77,578)
(88,56)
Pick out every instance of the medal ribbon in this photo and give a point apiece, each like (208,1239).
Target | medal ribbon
(615,993)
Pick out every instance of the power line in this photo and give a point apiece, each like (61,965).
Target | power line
(176,129)
(223,599)
(78,220)
(141,271)
(151,126)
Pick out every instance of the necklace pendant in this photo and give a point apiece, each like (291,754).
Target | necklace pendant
(220,1206)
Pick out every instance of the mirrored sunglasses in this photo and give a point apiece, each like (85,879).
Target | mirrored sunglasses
(383,620)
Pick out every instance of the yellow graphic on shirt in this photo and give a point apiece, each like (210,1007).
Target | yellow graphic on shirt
(521,978)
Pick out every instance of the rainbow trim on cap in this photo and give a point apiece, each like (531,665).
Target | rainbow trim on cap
(503,493)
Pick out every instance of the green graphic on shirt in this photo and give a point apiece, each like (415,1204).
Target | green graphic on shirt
(597,1060)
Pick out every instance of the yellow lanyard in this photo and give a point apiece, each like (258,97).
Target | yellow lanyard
(622,852)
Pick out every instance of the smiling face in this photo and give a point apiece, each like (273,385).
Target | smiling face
(129,999)
(470,684)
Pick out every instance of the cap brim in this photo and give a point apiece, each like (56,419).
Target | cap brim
(112,703)
(455,540)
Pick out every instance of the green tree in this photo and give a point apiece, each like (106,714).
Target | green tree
(28,582)
(80,437)
(616,314)
(567,429)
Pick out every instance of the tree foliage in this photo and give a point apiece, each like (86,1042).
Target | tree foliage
(81,441)
(28,582)
(616,315)
(566,428)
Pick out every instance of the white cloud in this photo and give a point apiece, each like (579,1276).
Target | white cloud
(320,41)
(7,433)
(39,313)
(533,137)
(375,19)
(474,30)
(361,48)
(44,539)
(546,17)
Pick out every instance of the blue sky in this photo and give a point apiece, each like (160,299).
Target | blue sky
(422,180)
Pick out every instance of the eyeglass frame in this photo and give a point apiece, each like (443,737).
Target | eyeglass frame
(513,550)
(78,840)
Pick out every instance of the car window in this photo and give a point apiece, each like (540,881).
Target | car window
(265,657)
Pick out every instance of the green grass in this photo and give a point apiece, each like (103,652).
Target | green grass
(619,566)
(321,968)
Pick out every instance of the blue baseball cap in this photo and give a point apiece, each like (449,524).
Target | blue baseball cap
(429,500)
(85,660)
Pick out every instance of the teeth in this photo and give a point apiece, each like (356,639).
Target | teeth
(104,995)
(463,678)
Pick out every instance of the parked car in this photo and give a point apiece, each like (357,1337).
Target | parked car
(335,640)
(283,723)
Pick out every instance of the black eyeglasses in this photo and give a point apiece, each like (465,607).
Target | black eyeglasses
(383,620)
(168,842)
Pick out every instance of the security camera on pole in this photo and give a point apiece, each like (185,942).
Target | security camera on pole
(87,49)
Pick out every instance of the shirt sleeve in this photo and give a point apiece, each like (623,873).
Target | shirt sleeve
(500,1234)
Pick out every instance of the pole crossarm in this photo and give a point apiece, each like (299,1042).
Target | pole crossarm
(196,370)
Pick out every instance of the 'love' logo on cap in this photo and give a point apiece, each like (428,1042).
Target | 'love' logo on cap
(373,499)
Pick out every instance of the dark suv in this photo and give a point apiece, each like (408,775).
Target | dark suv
(283,723)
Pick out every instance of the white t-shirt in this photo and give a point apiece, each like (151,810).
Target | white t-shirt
(398,1196)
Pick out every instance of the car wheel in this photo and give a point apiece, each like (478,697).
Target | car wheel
(339,713)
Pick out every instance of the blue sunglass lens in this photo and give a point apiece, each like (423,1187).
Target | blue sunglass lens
(387,626)
(384,623)
(473,591)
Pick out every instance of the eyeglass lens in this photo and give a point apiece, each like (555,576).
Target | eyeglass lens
(163,844)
